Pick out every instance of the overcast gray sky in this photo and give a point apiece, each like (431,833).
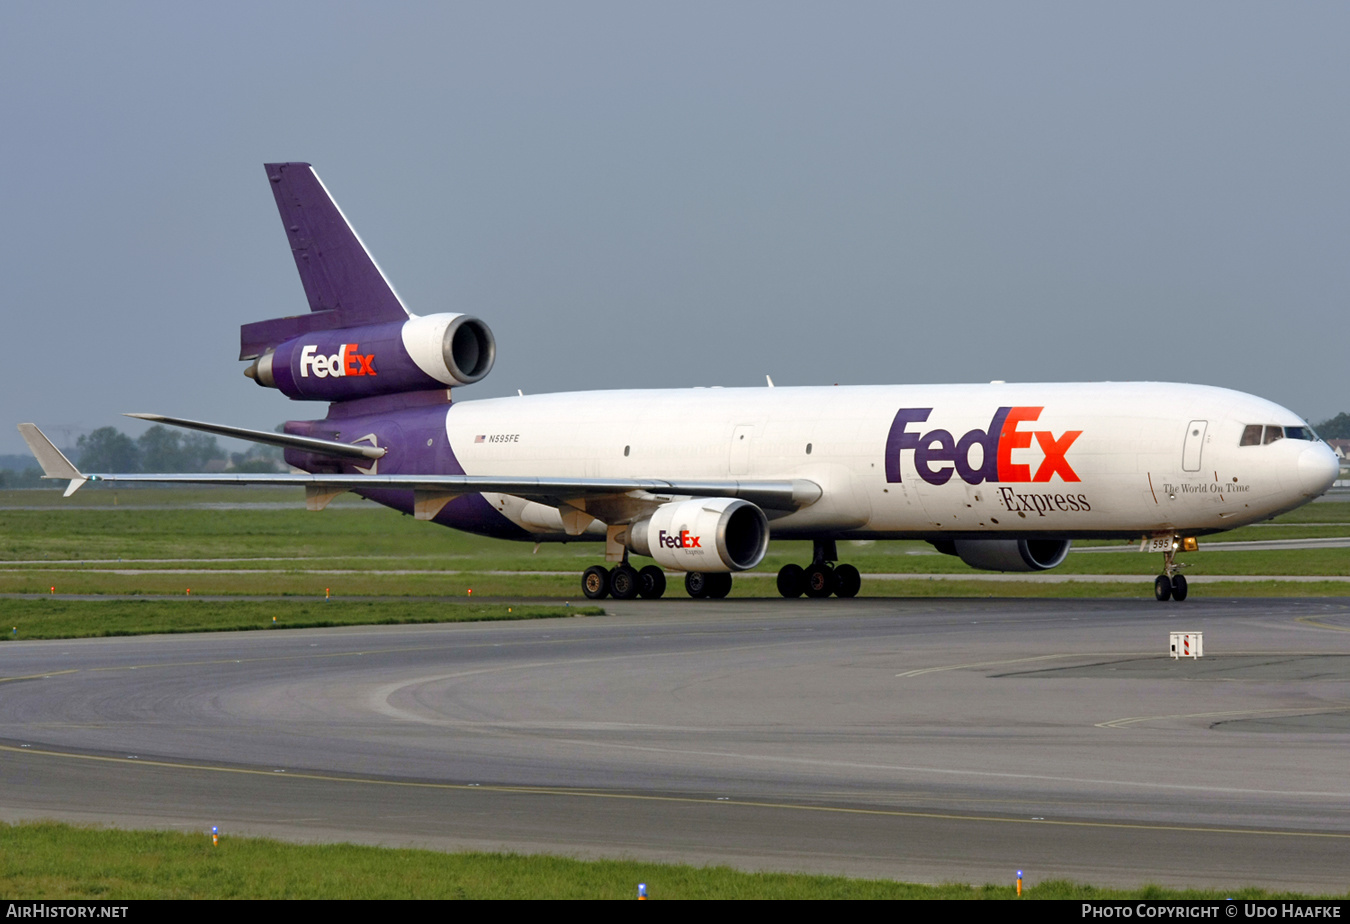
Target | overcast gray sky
(642,194)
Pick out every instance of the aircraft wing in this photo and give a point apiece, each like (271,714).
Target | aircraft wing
(434,491)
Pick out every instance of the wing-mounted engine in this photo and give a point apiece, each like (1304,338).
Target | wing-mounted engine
(416,354)
(1009,554)
(703,534)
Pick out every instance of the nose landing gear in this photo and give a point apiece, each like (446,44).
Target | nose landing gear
(1171,584)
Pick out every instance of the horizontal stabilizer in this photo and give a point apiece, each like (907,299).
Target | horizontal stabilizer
(285,440)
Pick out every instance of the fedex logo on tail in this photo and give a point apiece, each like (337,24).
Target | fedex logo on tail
(344,362)
(937,453)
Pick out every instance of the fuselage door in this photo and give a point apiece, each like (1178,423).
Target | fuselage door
(1194,445)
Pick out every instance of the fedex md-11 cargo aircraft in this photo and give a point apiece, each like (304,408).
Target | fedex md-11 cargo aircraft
(1003,475)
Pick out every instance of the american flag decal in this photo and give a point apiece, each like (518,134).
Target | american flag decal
(479,438)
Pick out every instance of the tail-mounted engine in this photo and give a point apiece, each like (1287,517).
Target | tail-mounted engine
(704,534)
(432,351)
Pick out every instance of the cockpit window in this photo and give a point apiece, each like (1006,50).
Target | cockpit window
(1252,434)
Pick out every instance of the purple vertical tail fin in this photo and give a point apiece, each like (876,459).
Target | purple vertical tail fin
(342,281)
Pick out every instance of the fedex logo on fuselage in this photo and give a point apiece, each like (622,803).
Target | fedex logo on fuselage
(681,540)
(344,362)
(937,454)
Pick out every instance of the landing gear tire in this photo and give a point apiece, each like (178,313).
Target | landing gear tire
(651,582)
(847,581)
(595,582)
(1179,589)
(820,580)
(791,581)
(1162,588)
(696,584)
(719,585)
(623,583)
(713,585)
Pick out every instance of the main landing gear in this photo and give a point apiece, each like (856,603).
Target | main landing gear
(624,583)
(822,577)
(1171,584)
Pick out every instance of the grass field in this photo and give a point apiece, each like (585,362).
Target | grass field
(29,619)
(271,523)
(233,541)
(56,861)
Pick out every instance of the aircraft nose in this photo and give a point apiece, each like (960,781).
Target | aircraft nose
(1318,467)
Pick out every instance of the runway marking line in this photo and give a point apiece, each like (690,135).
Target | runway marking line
(957,667)
(1134,654)
(635,797)
(1122,723)
(73,670)
(1312,621)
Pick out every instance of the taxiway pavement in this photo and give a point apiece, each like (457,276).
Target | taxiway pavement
(927,739)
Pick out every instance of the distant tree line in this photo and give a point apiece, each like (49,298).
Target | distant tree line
(158,449)
(1337,428)
(22,474)
(163,449)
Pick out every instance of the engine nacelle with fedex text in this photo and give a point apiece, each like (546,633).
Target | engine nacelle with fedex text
(698,480)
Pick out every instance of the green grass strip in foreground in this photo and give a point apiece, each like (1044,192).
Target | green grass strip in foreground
(84,618)
(46,860)
(55,617)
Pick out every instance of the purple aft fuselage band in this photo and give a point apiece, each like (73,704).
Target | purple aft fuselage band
(416,440)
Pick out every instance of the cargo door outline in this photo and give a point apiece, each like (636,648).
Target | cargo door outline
(1194,446)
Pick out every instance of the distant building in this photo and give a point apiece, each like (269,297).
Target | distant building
(1342,447)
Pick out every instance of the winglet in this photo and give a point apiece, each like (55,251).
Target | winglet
(53,461)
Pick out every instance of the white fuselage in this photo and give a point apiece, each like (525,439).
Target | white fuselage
(1146,457)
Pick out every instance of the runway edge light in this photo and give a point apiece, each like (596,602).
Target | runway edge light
(642,891)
